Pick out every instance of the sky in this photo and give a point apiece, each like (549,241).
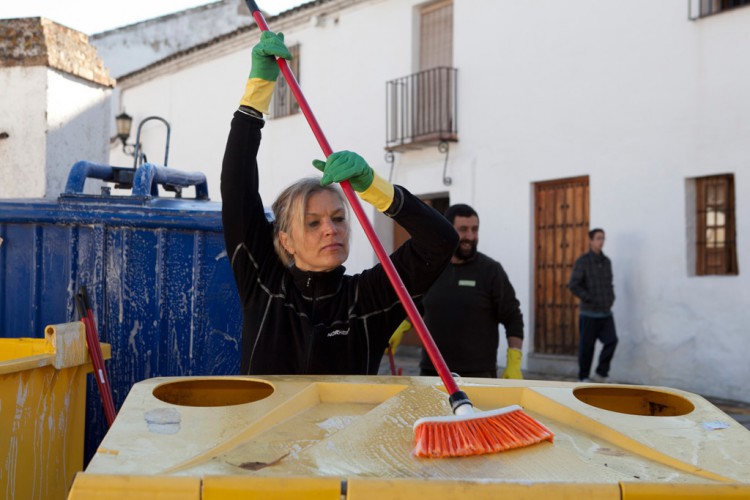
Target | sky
(95,16)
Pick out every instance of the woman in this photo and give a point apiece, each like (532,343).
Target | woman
(301,313)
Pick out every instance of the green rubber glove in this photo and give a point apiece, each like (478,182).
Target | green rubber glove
(264,71)
(265,52)
(345,166)
(513,364)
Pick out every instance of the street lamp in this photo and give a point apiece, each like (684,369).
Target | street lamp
(124,122)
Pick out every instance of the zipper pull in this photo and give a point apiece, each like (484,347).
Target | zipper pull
(308,281)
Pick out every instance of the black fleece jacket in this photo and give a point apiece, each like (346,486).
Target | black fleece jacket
(300,322)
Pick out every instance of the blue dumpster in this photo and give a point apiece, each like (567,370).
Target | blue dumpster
(156,269)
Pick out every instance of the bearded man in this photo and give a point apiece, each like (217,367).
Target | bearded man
(464,307)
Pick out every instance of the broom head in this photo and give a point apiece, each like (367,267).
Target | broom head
(477,433)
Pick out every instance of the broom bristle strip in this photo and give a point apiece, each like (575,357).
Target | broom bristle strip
(478,433)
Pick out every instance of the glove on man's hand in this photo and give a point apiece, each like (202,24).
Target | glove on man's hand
(513,364)
(398,334)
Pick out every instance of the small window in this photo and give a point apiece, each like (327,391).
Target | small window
(704,8)
(715,250)
(283,102)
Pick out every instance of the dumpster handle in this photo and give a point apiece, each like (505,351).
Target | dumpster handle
(145,179)
(149,175)
(82,170)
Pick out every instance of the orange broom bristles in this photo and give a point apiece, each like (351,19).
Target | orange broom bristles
(477,433)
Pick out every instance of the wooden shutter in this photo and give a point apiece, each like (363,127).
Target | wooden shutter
(716,249)
(436,35)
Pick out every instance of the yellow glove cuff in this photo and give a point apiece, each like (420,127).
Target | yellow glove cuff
(398,334)
(258,93)
(513,364)
(379,194)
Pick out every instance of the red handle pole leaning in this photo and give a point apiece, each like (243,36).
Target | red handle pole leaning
(95,352)
(411,310)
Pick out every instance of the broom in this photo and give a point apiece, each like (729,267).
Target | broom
(468,432)
(95,353)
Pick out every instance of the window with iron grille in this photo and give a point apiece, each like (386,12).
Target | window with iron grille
(715,241)
(704,8)
(421,108)
(283,102)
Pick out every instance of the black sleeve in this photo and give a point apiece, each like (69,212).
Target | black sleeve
(507,307)
(247,233)
(421,259)
(577,283)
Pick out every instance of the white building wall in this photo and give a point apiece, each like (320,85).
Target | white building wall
(133,47)
(22,117)
(52,121)
(77,128)
(54,107)
(631,94)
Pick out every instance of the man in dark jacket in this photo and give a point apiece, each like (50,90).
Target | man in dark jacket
(591,281)
(464,307)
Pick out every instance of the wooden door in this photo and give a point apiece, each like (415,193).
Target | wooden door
(560,237)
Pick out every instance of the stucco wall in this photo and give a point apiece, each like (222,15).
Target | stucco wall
(133,47)
(631,94)
(22,117)
(54,106)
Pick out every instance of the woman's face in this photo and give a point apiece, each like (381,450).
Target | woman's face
(321,241)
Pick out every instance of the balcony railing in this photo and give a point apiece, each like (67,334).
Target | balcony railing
(421,109)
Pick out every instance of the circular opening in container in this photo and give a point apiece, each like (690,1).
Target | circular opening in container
(635,401)
(213,392)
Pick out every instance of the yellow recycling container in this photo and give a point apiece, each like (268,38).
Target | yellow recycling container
(42,411)
(333,437)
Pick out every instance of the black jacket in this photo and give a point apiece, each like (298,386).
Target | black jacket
(591,281)
(463,309)
(299,322)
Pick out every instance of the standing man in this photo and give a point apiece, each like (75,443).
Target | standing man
(464,306)
(591,282)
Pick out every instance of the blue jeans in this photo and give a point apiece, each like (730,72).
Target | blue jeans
(592,329)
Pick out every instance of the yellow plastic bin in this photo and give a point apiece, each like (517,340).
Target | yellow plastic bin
(42,411)
(329,437)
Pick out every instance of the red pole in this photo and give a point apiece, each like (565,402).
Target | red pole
(95,353)
(411,310)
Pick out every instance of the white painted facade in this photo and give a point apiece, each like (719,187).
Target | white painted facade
(632,94)
(134,47)
(52,119)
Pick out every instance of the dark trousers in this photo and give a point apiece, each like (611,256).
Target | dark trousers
(592,329)
(431,372)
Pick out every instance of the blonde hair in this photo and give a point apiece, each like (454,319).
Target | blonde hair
(290,207)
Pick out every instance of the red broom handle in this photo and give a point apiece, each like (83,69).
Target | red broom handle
(97,359)
(411,310)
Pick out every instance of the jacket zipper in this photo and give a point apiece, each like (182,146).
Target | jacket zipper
(311,339)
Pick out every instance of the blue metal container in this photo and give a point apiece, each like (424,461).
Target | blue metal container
(156,269)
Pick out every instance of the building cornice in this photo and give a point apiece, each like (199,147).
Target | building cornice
(37,41)
(231,42)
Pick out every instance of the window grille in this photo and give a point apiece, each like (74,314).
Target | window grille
(703,8)
(283,102)
(422,108)
(716,250)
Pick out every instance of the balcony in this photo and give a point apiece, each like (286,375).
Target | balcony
(421,109)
